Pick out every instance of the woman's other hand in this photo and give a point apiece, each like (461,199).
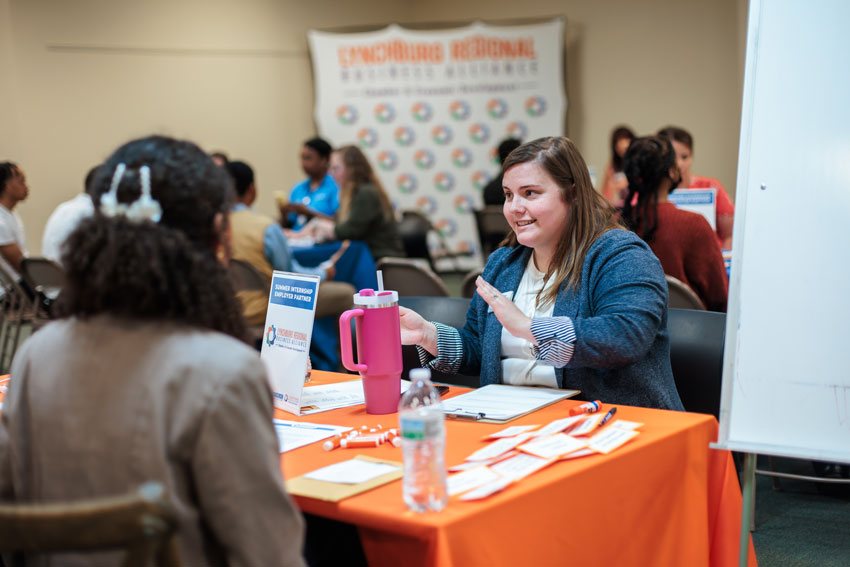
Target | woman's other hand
(515,321)
(417,331)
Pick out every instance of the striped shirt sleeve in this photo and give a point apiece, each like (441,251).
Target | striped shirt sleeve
(449,350)
(555,338)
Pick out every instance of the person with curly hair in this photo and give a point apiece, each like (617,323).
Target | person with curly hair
(683,241)
(145,377)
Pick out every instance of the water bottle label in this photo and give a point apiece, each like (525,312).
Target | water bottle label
(412,428)
(419,429)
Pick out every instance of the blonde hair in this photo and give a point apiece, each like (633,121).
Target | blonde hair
(359,172)
(590,214)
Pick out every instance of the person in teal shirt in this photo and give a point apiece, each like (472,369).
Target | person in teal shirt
(318,195)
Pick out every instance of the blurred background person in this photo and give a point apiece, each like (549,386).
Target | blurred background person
(260,241)
(683,144)
(65,218)
(614,184)
(683,241)
(220,158)
(493,193)
(147,377)
(365,212)
(318,195)
(13,190)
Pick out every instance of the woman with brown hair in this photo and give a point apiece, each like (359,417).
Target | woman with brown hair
(365,212)
(614,184)
(573,301)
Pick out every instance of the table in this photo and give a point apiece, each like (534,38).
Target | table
(665,498)
(356,267)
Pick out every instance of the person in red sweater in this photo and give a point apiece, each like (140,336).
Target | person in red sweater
(683,144)
(683,241)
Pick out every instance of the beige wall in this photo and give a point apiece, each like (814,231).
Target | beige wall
(81,77)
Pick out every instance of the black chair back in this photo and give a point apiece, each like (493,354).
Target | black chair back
(448,311)
(413,229)
(492,227)
(410,277)
(696,357)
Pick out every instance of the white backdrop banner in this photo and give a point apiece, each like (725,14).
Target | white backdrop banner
(429,109)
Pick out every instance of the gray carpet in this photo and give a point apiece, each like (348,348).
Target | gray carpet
(799,526)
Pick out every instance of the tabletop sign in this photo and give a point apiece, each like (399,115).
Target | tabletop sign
(700,201)
(286,342)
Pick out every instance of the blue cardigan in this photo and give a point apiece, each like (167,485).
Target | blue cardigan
(619,313)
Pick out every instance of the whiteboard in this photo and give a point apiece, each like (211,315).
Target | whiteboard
(786,375)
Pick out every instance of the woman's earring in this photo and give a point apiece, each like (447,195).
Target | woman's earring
(221,254)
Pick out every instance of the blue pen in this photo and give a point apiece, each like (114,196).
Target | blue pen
(607,416)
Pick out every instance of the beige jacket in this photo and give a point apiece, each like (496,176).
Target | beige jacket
(98,407)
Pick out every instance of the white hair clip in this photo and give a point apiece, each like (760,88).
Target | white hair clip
(143,208)
(109,204)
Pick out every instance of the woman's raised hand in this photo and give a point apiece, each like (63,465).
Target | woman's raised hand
(515,321)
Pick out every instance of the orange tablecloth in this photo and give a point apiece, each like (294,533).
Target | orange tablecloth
(665,498)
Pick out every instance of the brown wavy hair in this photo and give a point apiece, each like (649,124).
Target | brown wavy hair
(359,172)
(590,214)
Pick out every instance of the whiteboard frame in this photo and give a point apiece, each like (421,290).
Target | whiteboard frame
(748,190)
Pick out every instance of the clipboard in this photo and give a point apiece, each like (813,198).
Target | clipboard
(501,403)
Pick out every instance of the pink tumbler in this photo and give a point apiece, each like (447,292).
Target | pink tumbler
(378,347)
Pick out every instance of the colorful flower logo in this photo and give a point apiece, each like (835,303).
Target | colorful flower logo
(367,138)
(421,111)
(497,108)
(426,205)
(461,157)
(445,227)
(493,154)
(535,105)
(465,247)
(463,204)
(479,133)
(424,159)
(346,114)
(387,160)
(406,183)
(404,136)
(384,113)
(480,179)
(441,134)
(271,333)
(444,181)
(459,109)
(517,130)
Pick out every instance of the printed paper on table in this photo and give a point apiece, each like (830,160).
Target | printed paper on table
(286,342)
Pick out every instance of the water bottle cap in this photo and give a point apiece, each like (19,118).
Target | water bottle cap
(372,298)
(419,374)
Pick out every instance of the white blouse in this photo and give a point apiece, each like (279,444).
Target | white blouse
(520,367)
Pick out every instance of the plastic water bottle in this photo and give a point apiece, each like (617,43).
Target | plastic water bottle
(423,441)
